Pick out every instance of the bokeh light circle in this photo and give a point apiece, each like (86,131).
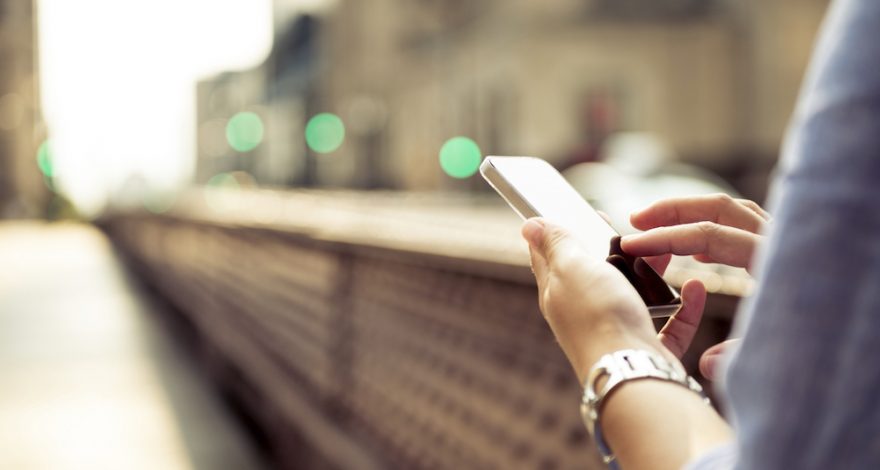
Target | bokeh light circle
(44,159)
(158,203)
(223,180)
(220,193)
(460,157)
(325,132)
(244,131)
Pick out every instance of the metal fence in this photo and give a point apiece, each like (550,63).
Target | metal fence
(354,355)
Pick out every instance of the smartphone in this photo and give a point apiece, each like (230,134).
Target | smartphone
(533,188)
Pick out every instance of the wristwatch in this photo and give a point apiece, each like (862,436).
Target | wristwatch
(618,367)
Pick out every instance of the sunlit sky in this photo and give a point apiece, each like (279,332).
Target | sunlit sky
(118,79)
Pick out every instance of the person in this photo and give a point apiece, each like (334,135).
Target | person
(802,388)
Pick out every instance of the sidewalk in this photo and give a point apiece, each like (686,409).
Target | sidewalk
(88,379)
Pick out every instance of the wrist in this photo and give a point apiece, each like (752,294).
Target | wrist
(627,370)
(609,337)
(673,419)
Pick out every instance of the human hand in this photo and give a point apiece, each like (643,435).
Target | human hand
(592,308)
(679,330)
(713,228)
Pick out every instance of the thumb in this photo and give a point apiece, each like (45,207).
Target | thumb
(552,242)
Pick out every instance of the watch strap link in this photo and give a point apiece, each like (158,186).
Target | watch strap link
(616,368)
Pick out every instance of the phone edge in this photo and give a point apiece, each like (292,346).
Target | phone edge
(514,198)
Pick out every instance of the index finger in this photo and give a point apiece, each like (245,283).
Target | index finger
(722,244)
(718,208)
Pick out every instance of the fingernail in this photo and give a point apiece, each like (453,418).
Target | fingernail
(533,231)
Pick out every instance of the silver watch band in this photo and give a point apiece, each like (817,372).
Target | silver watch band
(621,366)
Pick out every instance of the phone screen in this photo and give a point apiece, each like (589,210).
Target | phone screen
(534,188)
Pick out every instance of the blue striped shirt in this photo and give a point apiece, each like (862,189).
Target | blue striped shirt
(804,388)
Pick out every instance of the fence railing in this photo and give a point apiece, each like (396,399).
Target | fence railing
(373,330)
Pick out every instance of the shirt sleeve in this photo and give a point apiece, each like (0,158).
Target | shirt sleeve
(804,387)
(723,457)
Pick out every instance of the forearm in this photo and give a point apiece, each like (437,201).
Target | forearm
(659,425)
(594,311)
(650,423)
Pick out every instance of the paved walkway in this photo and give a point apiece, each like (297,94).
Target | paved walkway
(88,379)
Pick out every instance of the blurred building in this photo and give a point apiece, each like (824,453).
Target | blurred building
(22,191)
(281,92)
(716,79)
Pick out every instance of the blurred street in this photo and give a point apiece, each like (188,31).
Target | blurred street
(88,377)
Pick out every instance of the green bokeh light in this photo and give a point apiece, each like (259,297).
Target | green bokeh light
(244,131)
(223,180)
(219,193)
(50,183)
(44,159)
(158,203)
(460,157)
(325,132)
